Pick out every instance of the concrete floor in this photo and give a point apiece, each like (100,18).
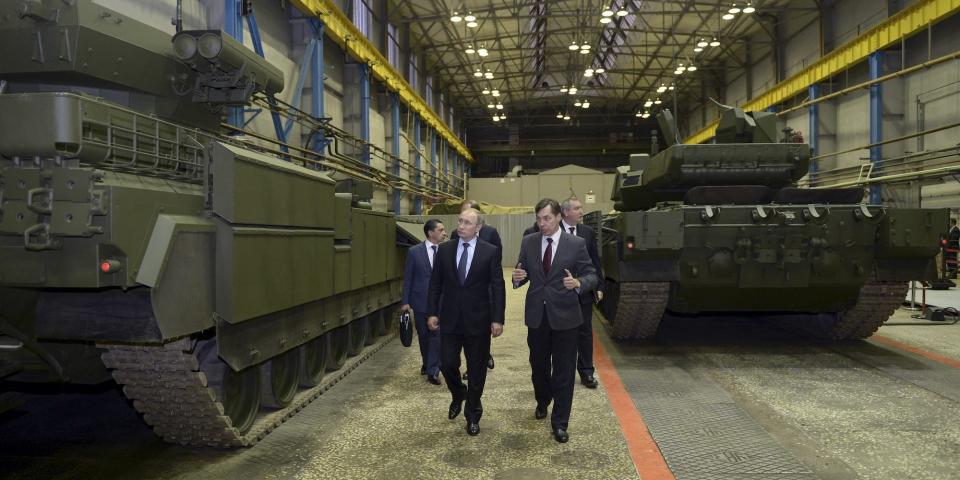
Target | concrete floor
(833,411)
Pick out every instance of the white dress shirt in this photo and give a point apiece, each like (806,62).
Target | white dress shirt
(431,251)
(566,228)
(473,247)
(543,245)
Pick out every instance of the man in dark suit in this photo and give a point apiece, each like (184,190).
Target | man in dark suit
(572,211)
(466,303)
(558,268)
(488,234)
(416,284)
(953,237)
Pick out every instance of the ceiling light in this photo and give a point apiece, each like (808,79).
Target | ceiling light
(702,43)
(486,91)
(577,103)
(607,12)
(573,46)
(482,52)
(588,72)
(490,105)
(584,52)
(488,75)
(622,12)
(572,91)
(645,115)
(499,106)
(692,68)
(657,101)
(470,17)
(605,20)
(560,116)
(470,50)
(478,73)
(698,49)
(566,117)
(563,89)
(715,42)
(662,88)
(472,24)
(496,118)
(585,105)
(495,93)
(671,88)
(727,16)
(455,18)
(584,47)
(734,9)
(503,116)
(638,114)
(648,104)
(749,8)
(599,70)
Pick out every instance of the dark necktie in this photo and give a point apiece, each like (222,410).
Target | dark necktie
(572,231)
(434,248)
(548,256)
(462,266)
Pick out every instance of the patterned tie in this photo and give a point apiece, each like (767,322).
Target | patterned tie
(434,248)
(572,231)
(548,256)
(462,266)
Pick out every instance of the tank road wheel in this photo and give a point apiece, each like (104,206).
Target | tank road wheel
(875,304)
(238,392)
(313,358)
(339,344)
(279,378)
(359,331)
(639,309)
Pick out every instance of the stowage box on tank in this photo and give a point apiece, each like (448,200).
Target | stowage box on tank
(722,228)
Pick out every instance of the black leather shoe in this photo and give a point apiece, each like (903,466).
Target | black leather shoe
(423,370)
(560,435)
(455,407)
(589,381)
(490,362)
(434,379)
(473,429)
(540,413)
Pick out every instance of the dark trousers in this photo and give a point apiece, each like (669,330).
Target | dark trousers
(429,344)
(585,341)
(553,361)
(477,349)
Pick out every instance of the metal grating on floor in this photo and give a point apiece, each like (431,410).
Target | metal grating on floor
(701,432)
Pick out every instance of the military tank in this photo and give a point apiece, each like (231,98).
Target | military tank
(216,282)
(722,228)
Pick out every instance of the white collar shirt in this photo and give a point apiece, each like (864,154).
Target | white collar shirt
(556,244)
(472,249)
(566,227)
(431,251)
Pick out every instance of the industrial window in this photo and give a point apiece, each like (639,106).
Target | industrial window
(393,46)
(413,73)
(428,92)
(361,16)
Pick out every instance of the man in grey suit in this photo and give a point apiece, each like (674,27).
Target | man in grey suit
(558,268)
(416,285)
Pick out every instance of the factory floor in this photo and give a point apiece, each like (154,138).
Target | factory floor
(710,398)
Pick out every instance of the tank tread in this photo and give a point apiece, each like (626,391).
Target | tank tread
(167,387)
(875,304)
(640,306)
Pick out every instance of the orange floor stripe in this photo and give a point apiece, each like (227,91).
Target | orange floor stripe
(951,362)
(644,451)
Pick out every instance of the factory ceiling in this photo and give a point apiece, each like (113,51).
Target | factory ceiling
(615,54)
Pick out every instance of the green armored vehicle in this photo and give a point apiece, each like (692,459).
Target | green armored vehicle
(215,281)
(722,228)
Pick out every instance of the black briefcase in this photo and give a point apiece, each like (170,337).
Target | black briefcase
(406,328)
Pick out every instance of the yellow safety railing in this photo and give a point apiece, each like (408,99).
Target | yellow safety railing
(905,23)
(339,28)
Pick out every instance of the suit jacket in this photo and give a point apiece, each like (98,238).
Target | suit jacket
(588,234)
(487,234)
(547,290)
(469,308)
(416,277)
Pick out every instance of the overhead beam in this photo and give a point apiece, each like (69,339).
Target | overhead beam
(904,24)
(345,33)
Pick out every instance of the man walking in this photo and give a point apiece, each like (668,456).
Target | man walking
(466,303)
(558,268)
(572,212)
(416,284)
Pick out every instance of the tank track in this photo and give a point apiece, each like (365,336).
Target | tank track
(639,308)
(166,385)
(875,304)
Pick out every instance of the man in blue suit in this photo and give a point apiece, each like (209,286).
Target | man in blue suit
(416,284)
